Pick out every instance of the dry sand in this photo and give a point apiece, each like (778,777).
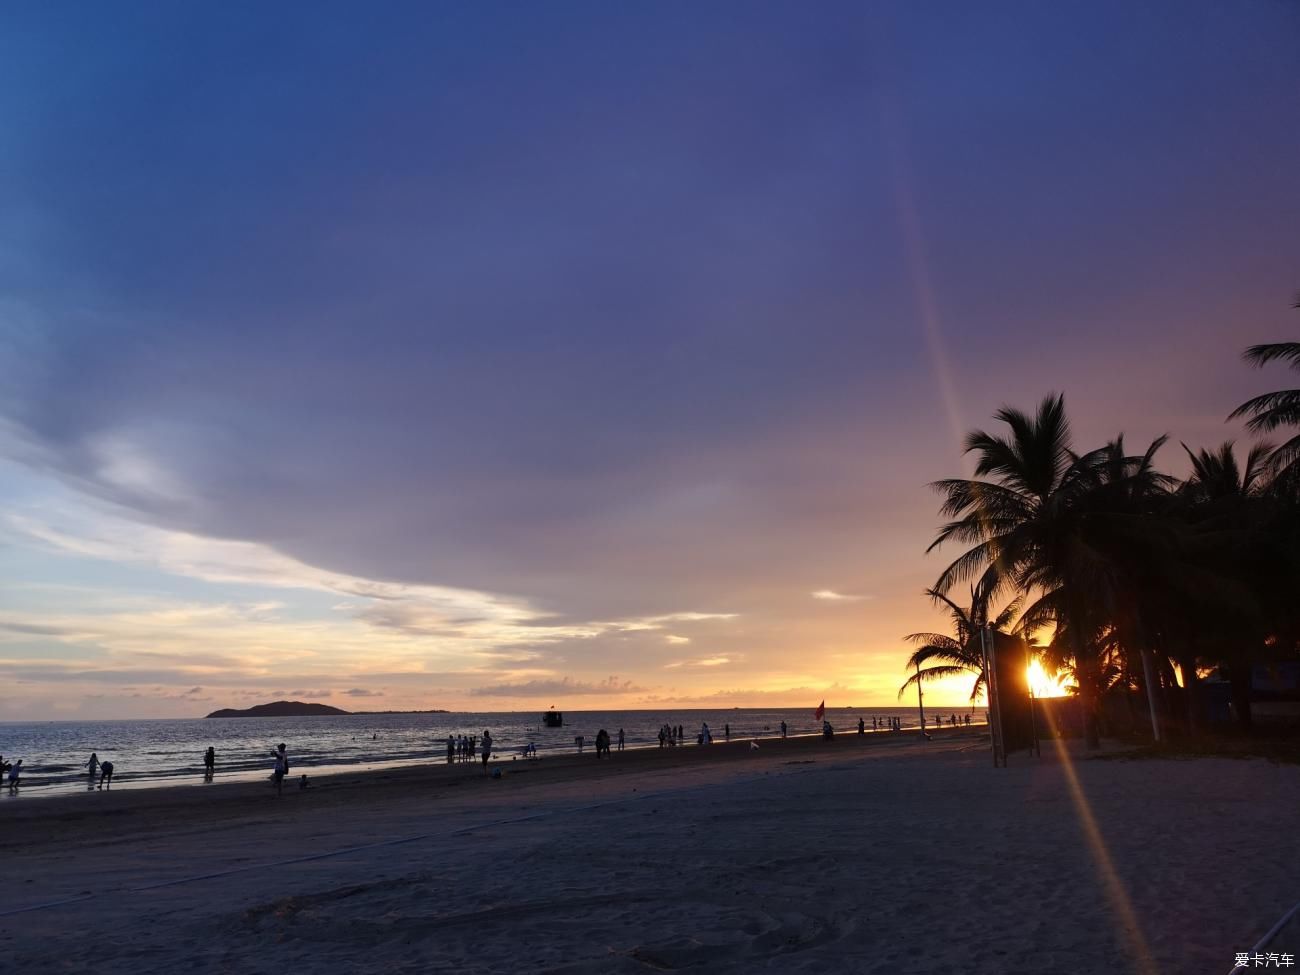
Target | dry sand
(879,856)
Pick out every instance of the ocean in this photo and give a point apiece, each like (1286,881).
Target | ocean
(170,751)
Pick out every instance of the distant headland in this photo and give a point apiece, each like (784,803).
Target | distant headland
(299,709)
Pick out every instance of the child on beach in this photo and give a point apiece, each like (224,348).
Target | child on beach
(92,767)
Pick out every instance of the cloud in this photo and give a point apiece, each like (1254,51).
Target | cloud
(361,692)
(564,687)
(673,638)
(831,595)
(717,661)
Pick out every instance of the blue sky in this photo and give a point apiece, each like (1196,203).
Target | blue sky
(478,356)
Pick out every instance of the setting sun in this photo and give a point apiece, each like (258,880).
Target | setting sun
(1044,685)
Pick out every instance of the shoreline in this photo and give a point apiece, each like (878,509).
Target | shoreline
(363,787)
(74,784)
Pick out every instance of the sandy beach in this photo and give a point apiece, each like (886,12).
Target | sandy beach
(885,855)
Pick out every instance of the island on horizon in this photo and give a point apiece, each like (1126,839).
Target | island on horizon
(300,709)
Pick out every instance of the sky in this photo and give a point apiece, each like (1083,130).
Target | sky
(498,356)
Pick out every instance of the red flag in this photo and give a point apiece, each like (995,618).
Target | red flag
(820,712)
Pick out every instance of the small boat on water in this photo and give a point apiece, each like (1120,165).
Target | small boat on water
(553,719)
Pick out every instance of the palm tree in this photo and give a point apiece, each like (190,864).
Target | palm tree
(1273,410)
(1242,511)
(959,653)
(1025,518)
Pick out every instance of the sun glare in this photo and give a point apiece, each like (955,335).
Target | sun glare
(1044,685)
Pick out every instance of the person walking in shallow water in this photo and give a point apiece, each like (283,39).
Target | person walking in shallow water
(105,775)
(92,767)
(620,739)
(14,774)
(209,763)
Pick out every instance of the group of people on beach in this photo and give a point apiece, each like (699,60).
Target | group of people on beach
(105,770)
(464,748)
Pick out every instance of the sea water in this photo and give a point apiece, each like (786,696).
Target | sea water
(170,751)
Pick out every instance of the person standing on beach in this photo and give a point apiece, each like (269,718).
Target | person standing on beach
(14,774)
(105,774)
(451,749)
(209,763)
(487,748)
(92,767)
(726,731)
(281,769)
(579,740)
(620,739)
(783,729)
(862,727)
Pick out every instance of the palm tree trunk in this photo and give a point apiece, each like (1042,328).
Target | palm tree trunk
(1085,670)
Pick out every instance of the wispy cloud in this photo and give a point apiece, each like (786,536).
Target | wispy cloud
(830,595)
(718,661)
(562,687)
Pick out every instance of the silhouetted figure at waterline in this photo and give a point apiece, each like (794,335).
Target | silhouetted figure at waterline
(620,739)
(105,775)
(92,767)
(15,773)
(783,729)
(281,769)
(862,727)
(602,743)
(487,748)
(209,763)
